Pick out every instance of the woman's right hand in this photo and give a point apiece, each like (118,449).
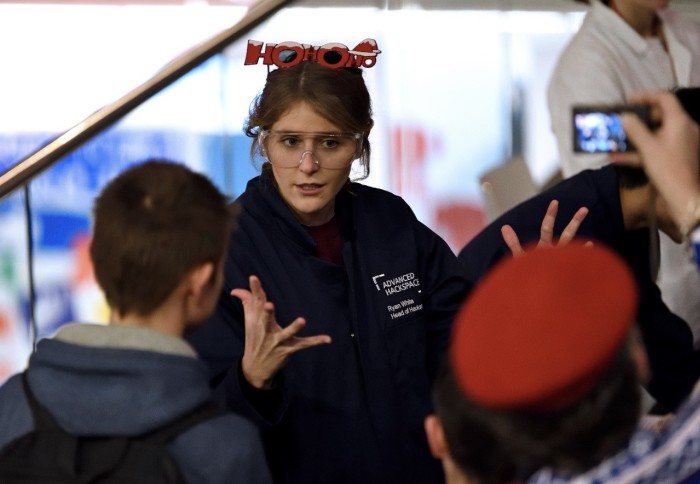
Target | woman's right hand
(267,344)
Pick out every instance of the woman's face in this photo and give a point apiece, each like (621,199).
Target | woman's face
(308,188)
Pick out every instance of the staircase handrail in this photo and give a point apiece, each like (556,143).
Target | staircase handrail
(41,159)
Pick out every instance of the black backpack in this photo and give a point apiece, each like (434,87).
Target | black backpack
(49,455)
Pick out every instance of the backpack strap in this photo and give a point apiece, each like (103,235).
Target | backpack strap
(93,458)
(206,411)
(59,450)
(42,419)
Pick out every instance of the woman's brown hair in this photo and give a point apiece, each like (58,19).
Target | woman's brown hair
(339,95)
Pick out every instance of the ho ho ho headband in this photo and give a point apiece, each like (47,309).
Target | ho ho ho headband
(332,55)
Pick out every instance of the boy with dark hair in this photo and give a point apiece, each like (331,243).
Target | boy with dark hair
(159,237)
(622,205)
(542,380)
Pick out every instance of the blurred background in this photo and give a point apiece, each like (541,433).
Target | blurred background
(458,91)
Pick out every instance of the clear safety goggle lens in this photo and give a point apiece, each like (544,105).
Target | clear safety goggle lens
(328,150)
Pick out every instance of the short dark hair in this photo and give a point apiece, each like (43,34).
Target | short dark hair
(499,446)
(154,223)
(630,176)
(339,95)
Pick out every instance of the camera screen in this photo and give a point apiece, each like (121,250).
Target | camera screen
(599,132)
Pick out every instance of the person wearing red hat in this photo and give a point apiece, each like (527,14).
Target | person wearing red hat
(619,202)
(623,46)
(543,385)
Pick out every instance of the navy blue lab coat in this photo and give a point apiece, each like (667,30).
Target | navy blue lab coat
(351,411)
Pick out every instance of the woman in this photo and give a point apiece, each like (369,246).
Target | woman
(369,290)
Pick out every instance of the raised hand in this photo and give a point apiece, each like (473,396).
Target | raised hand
(546,230)
(268,346)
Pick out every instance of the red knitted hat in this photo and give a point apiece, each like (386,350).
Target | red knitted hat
(539,330)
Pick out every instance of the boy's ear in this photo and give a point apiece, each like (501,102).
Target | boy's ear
(436,436)
(200,278)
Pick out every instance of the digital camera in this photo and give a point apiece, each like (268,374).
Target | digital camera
(598,129)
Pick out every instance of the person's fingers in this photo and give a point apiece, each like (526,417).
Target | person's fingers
(636,130)
(646,97)
(243,294)
(288,335)
(626,158)
(572,227)
(292,329)
(256,289)
(651,99)
(547,227)
(639,97)
(247,295)
(267,318)
(668,103)
(511,240)
(297,343)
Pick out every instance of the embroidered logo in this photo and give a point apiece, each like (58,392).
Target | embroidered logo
(404,308)
(374,280)
(395,285)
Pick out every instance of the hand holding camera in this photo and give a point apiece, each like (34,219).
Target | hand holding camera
(669,153)
(599,128)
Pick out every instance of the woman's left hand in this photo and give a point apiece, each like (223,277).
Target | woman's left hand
(268,346)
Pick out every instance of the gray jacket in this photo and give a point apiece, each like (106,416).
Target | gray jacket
(116,380)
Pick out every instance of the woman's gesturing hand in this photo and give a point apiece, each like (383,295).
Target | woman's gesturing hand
(267,344)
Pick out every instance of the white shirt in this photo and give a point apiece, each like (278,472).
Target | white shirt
(606,61)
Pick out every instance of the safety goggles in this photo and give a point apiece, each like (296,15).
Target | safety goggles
(333,151)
